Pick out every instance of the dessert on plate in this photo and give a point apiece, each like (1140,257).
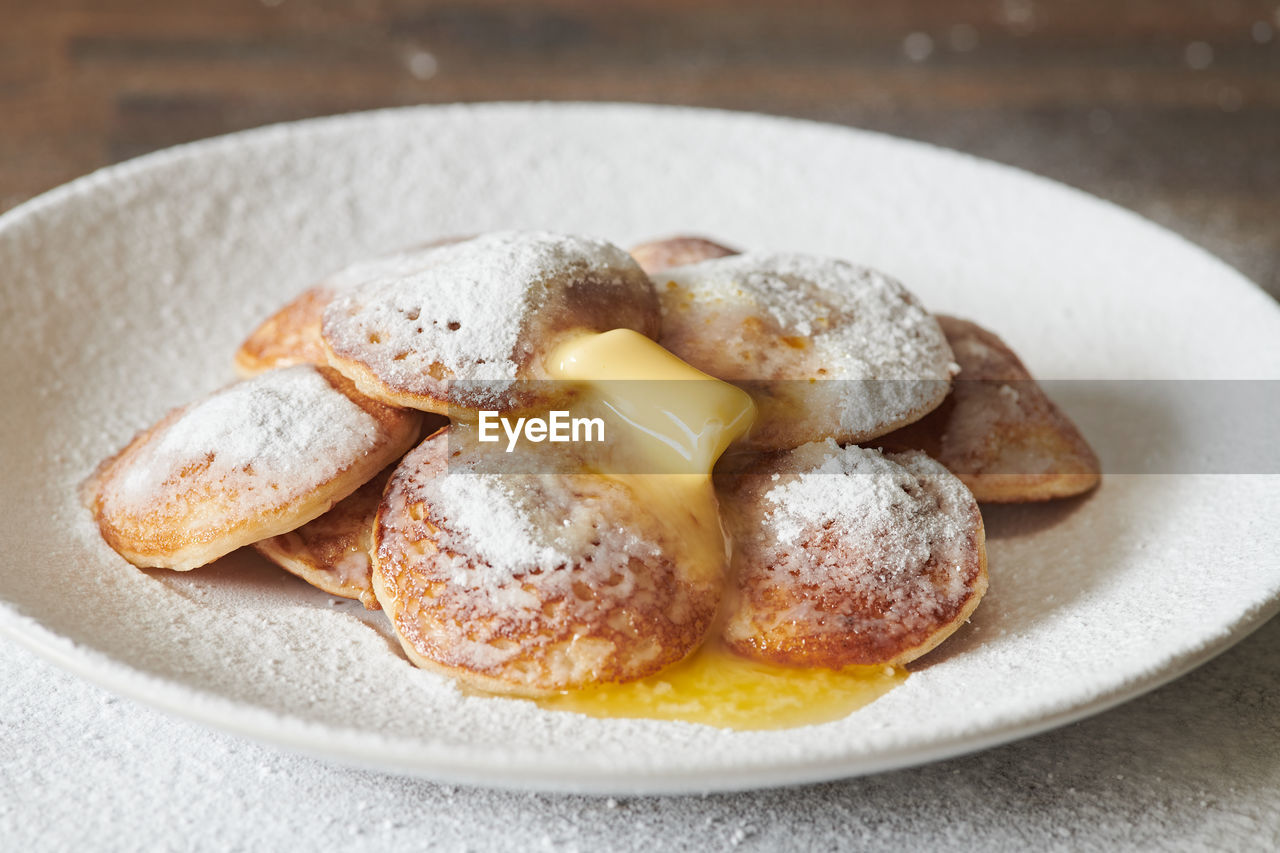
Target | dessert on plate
(773,505)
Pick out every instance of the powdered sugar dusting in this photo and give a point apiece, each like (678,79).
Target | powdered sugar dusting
(872,493)
(488,519)
(854,526)
(831,349)
(497,527)
(277,435)
(462,312)
(503,527)
(392,266)
(863,323)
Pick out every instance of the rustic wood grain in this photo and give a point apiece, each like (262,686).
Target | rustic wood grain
(1172,109)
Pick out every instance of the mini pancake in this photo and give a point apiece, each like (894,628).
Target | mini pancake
(253,460)
(531,584)
(461,331)
(658,255)
(844,556)
(292,334)
(826,348)
(998,431)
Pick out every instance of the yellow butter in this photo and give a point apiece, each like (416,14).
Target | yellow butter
(718,688)
(678,420)
(682,419)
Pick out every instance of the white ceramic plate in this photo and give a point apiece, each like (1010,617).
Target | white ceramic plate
(126,292)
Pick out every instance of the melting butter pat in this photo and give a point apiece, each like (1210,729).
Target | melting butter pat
(681,419)
(675,422)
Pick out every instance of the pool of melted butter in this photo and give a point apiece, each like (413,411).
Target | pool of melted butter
(715,687)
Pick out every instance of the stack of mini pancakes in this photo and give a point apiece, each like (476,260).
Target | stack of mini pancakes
(851,508)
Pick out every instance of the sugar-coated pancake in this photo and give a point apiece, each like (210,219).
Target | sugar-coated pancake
(845,556)
(998,431)
(253,460)
(481,315)
(658,255)
(530,584)
(292,334)
(332,551)
(828,349)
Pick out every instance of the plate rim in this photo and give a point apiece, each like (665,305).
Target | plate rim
(505,771)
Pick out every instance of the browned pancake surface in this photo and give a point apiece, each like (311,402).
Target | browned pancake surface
(289,336)
(333,552)
(658,255)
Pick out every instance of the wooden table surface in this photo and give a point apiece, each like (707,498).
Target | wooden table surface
(1169,108)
